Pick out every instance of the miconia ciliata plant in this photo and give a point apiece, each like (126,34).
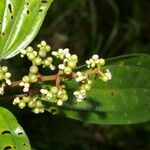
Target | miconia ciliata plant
(113,91)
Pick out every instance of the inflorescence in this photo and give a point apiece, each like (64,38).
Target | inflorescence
(55,94)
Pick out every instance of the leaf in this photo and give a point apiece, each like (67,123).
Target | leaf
(123,100)
(12,136)
(20,20)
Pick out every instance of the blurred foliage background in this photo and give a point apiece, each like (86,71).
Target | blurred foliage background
(109,28)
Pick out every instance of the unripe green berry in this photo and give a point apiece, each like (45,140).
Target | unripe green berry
(4,69)
(26,79)
(34,69)
(101,61)
(22,104)
(67,70)
(54,90)
(37,61)
(31,104)
(33,78)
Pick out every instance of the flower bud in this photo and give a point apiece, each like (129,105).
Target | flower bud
(22,104)
(34,69)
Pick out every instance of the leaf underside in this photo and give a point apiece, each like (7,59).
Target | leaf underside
(12,136)
(123,100)
(20,20)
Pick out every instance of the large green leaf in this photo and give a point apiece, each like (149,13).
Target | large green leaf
(20,20)
(123,100)
(12,136)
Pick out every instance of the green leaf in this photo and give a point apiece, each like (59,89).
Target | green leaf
(123,100)
(20,20)
(12,136)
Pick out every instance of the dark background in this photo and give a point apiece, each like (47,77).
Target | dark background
(109,28)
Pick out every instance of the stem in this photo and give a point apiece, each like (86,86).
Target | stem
(55,77)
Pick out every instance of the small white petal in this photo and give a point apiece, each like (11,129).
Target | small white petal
(61,66)
(8,82)
(95,57)
(59,103)
(21,83)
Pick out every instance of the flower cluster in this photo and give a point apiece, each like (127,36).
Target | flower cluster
(4,78)
(39,58)
(55,94)
(69,61)
(85,86)
(95,62)
(33,103)
(30,79)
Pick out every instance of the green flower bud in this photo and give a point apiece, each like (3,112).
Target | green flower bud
(54,90)
(72,64)
(22,104)
(47,48)
(43,43)
(42,53)
(39,104)
(87,87)
(7,75)
(29,49)
(16,101)
(64,98)
(38,61)
(31,56)
(33,78)
(67,70)
(101,61)
(36,110)
(1,76)
(31,104)
(74,57)
(46,63)
(104,78)
(4,69)
(26,79)
(34,69)
(26,99)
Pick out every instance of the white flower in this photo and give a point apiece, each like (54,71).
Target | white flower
(108,74)
(52,67)
(54,53)
(59,103)
(44,91)
(95,57)
(8,82)
(61,66)
(1,90)
(23,51)
(21,83)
